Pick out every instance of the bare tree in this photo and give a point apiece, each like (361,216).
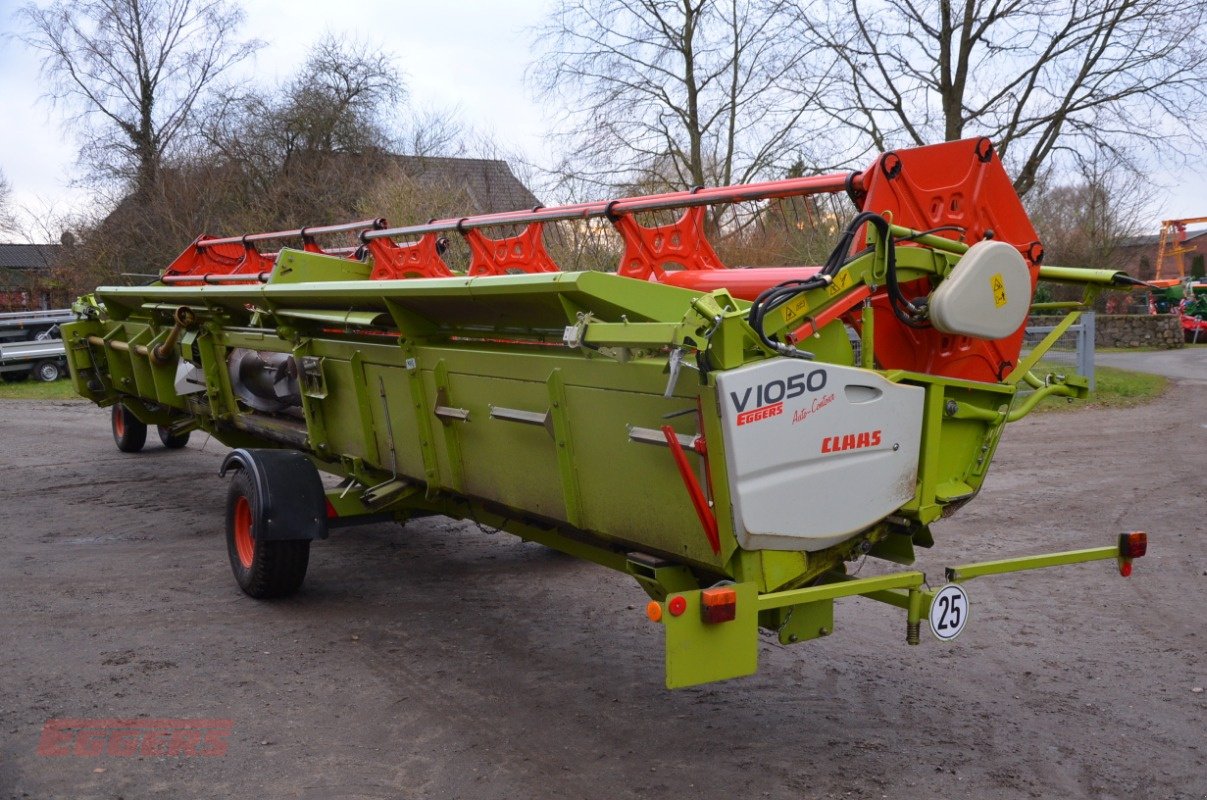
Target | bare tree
(434,132)
(303,152)
(1086,220)
(135,70)
(1047,80)
(8,221)
(307,148)
(341,101)
(673,93)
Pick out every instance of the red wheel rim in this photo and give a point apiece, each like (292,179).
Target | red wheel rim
(245,546)
(119,422)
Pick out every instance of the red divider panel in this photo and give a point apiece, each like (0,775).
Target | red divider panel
(648,251)
(419,259)
(233,258)
(524,252)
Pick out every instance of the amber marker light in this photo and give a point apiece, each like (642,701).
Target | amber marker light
(719,604)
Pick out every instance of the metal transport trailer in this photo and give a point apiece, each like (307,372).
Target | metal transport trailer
(44,359)
(21,326)
(730,438)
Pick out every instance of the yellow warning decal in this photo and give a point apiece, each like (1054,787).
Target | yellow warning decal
(840,284)
(796,307)
(998,284)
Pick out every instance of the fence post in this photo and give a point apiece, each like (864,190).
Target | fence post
(1085,348)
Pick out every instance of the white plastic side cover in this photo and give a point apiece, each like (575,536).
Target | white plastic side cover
(816,452)
(987,294)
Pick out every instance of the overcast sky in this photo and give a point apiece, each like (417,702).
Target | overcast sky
(464,54)
(471,60)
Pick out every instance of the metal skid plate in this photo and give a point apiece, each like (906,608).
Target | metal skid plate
(701,652)
(816,452)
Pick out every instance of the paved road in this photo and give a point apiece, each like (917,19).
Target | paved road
(1189,363)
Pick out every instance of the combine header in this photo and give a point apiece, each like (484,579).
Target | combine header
(730,438)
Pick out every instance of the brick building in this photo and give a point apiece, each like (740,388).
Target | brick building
(1139,255)
(25,275)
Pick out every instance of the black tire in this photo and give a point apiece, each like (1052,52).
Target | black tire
(15,376)
(129,432)
(173,442)
(47,371)
(263,570)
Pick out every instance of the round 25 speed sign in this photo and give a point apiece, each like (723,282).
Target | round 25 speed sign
(949,612)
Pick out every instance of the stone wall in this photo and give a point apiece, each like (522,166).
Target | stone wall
(1125,330)
(1139,330)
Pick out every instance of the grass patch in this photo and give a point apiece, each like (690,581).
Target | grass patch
(1116,388)
(30,389)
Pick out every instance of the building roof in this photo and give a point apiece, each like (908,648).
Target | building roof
(29,256)
(490,183)
(1153,239)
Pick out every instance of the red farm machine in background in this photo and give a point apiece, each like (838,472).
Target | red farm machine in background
(1185,296)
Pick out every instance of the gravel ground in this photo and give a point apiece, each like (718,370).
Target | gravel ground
(437,661)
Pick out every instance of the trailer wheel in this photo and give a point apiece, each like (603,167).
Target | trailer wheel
(129,432)
(263,569)
(47,371)
(170,441)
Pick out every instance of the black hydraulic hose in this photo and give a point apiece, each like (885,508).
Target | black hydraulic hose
(769,299)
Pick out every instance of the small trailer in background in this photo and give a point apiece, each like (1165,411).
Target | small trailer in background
(45,360)
(30,345)
(24,326)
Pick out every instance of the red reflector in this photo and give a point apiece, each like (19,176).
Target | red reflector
(1133,545)
(719,604)
(677,605)
(1125,568)
(331,512)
